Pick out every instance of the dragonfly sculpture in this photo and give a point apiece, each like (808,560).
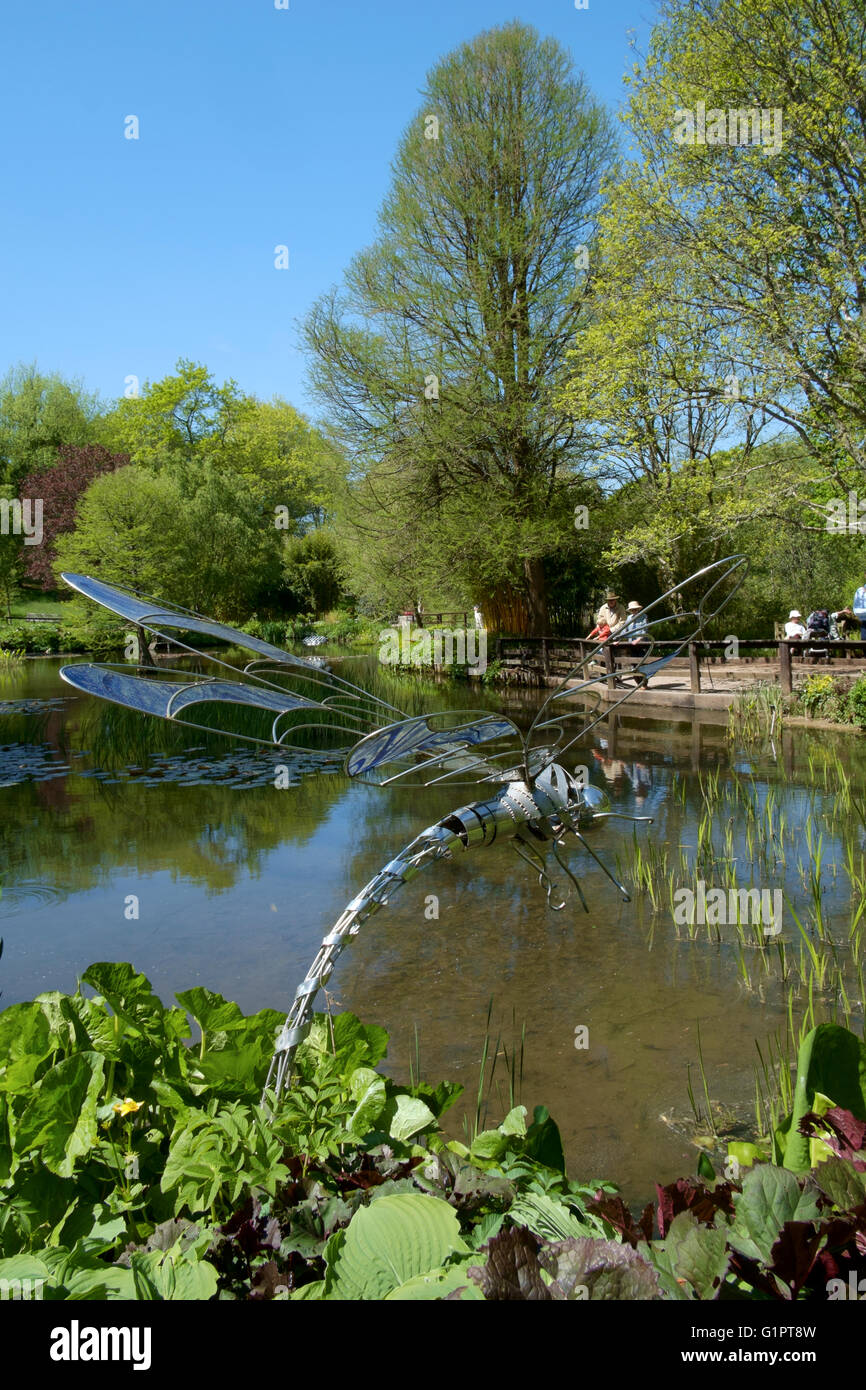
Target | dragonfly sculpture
(531,800)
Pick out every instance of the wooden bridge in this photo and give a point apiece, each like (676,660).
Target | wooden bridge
(546,660)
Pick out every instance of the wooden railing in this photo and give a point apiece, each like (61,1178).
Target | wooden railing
(556,656)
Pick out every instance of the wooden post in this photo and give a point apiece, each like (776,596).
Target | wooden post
(785,668)
(694,667)
(609,666)
(545,657)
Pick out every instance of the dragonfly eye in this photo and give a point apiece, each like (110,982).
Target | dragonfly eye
(595,798)
(592,801)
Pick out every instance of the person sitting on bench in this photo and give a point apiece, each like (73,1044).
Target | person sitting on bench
(818,625)
(795,629)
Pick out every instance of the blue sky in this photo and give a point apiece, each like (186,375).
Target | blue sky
(258,127)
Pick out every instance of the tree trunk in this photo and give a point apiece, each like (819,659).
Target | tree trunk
(536,598)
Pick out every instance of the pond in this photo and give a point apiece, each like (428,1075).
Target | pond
(136,841)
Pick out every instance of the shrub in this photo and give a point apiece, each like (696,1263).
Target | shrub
(857,702)
(31,637)
(818,694)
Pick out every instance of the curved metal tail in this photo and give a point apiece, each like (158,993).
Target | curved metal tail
(546,811)
(434,843)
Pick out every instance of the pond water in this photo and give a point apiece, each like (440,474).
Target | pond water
(236,881)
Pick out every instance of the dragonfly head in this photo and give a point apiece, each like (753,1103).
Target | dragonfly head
(573,801)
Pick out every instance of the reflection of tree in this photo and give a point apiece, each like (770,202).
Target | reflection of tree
(78,830)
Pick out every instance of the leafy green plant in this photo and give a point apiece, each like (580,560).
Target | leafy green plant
(136,1162)
(857,702)
(817,694)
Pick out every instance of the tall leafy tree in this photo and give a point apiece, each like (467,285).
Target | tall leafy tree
(188,419)
(675,416)
(440,360)
(750,126)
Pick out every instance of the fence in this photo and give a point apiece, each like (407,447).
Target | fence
(538,659)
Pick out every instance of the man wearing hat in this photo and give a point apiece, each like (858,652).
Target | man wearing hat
(612,613)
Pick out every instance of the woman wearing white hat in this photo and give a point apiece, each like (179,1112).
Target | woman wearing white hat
(635,629)
(795,629)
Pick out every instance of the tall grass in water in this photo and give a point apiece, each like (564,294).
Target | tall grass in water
(510,1075)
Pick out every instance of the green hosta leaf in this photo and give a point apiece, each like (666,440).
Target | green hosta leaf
(515,1122)
(489,1145)
(698,1254)
(770,1197)
(171,1275)
(315,1291)
(80,1274)
(369,1092)
(410,1116)
(391,1241)
(23,1268)
(548,1218)
(60,1121)
(438,1283)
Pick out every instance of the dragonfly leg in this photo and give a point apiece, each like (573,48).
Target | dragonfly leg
(601,864)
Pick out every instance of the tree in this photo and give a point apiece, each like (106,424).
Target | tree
(287,462)
(180,420)
(187,420)
(60,488)
(204,544)
(440,362)
(751,129)
(658,377)
(312,573)
(39,414)
(229,547)
(127,532)
(11,563)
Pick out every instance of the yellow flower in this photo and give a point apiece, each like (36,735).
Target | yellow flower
(127,1107)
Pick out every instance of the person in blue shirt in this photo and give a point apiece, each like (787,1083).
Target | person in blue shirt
(635,629)
(859,607)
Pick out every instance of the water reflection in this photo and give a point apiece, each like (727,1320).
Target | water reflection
(236,880)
